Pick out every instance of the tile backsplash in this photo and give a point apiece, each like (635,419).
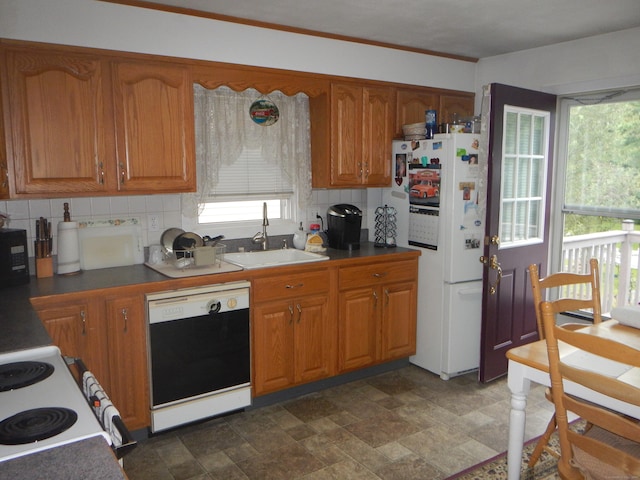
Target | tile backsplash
(155,212)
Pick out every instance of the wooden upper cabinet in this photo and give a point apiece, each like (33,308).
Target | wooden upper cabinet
(461,104)
(411,106)
(54,119)
(378,121)
(154,122)
(346,135)
(351,133)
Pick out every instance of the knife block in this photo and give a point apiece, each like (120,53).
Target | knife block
(44,267)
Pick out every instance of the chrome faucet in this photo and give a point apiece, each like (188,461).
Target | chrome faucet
(261,237)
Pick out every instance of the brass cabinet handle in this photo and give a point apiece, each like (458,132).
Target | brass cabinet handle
(290,314)
(125,318)
(299,312)
(83,317)
(294,286)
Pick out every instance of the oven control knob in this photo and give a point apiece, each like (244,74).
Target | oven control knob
(232,303)
(214,306)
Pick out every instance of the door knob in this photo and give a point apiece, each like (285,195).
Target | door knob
(493,264)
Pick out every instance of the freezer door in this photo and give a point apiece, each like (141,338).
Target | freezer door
(461,328)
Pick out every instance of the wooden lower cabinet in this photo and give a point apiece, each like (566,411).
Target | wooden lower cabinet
(127,360)
(109,334)
(293,331)
(377,313)
(76,328)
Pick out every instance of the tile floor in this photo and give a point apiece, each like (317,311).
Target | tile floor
(405,424)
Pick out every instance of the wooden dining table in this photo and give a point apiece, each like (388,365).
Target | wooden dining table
(530,363)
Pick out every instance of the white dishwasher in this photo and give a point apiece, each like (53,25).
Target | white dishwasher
(199,353)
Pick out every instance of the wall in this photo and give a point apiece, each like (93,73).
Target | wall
(595,63)
(104,25)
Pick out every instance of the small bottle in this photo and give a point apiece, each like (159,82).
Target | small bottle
(299,238)
(431,123)
(314,240)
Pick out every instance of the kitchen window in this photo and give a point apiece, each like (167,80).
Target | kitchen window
(242,163)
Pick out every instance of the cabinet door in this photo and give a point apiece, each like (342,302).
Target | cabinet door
(378,122)
(77,330)
(346,135)
(273,362)
(154,121)
(55,121)
(411,106)
(450,104)
(126,334)
(358,328)
(4,176)
(398,320)
(313,345)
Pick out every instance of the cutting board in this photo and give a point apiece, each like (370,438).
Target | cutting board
(110,244)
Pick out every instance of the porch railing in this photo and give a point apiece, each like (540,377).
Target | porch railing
(617,254)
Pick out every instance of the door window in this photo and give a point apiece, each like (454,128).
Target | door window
(522,199)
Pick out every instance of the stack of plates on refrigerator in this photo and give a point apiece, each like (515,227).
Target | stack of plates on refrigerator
(414,131)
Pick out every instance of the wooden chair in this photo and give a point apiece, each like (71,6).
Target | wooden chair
(610,446)
(588,281)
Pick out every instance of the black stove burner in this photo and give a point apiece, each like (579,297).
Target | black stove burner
(22,374)
(36,424)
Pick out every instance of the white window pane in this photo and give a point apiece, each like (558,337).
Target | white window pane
(538,136)
(523,178)
(534,219)
(524,143)
(510,133)
(508,178)
(506,235)
(537,177)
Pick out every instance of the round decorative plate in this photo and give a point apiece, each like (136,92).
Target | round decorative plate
(264,112)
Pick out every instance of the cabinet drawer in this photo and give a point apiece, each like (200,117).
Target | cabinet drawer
(287,286)
(378,273)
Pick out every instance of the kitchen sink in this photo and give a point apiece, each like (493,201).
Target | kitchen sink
(272,258)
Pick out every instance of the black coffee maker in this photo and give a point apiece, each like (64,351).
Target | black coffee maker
(343,222)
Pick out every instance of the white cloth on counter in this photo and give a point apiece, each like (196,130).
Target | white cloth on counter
(628,315)
(106,410)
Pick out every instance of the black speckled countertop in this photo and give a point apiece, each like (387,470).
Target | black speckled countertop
(84,460)
(21,329)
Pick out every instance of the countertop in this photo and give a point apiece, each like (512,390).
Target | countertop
(62,463)
(21,329)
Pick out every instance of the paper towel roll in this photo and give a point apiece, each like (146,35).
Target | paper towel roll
(68,248)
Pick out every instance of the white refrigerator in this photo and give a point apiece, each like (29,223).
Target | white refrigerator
(435,193)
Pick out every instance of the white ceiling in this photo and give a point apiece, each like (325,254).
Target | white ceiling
(470,28)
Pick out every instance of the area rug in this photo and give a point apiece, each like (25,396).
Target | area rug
(496,468)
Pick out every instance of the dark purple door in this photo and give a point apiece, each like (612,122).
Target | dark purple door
(521,134)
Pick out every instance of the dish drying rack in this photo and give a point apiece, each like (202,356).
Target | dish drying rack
(204,256)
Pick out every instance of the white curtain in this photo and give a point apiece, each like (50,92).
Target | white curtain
(224,127)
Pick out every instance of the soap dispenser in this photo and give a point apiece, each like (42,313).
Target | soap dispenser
(299,238)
